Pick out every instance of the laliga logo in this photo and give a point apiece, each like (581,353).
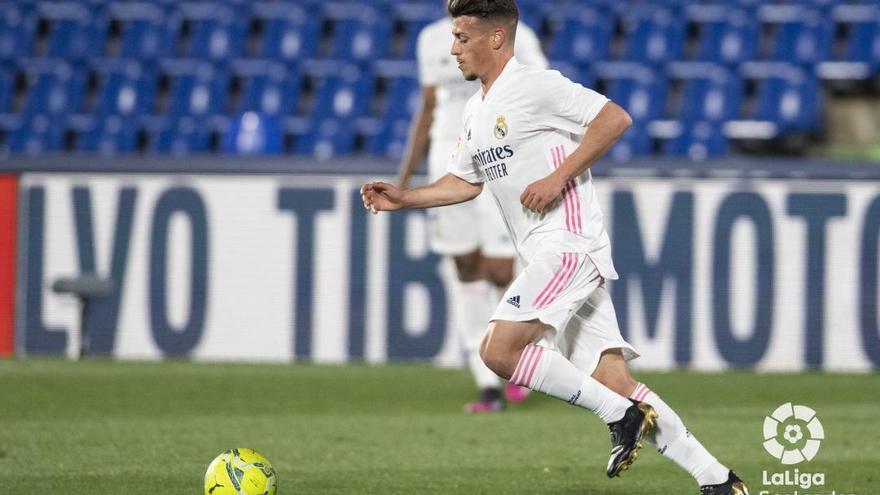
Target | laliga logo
(793,434)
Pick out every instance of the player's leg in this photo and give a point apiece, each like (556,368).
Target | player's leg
(671,437)
(455,233)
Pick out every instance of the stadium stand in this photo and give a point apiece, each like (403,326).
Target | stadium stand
(186,77)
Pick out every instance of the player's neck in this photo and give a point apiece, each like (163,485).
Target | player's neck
(491,76)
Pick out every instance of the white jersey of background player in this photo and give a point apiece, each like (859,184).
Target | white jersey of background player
(533,135)
(472,233)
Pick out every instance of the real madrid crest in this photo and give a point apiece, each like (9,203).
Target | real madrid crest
(500,129)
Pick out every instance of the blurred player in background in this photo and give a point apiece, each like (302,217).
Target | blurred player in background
(472,233)
(532,135)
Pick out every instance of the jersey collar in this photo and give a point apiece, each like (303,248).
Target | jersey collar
(509,68)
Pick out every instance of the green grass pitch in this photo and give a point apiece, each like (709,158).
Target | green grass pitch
(102,427)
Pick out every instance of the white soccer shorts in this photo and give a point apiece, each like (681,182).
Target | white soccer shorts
(465,227)
(566,291)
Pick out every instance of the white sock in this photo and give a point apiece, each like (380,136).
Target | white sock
(547,371)
(474,311)
(673,440)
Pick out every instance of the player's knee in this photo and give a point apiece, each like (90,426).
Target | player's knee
(499,272)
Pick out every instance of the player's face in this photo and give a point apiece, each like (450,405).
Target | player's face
(471,46)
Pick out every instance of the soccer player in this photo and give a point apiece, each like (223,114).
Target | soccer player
(472,233)
(531,136)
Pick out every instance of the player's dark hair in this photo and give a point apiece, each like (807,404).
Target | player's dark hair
(492,10)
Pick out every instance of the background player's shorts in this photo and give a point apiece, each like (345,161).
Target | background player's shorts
(566,291)
(465,227)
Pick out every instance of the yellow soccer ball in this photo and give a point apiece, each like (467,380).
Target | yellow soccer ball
(240,472)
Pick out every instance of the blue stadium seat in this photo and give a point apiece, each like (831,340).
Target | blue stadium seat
(786,96)
(253,134)
(36,135)
(697,141)
(863,41)
(107,135)
(634,142)
(708,92)
(725,35)
(268,88)
(402,91)
(343,91)
(145,33)
(412,17)
(16,34)
(7,91)
(53,88)
(802,36)
(637,88)
(326,138)
(653,36)
(360,34)
(215,32)
(196,88)
(125,87)
(179,136)
(75,32)
(287,34)
(581,38)
(390,139)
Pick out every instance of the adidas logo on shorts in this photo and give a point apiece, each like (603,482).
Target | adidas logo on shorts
(513,301)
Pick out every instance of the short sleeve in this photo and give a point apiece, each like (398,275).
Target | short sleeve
(528,47)
(461,164)
(566,104)
(426,58)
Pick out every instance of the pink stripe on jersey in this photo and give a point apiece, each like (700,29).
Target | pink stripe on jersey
(557,153)
(528,363)
(571,198)
(556,276)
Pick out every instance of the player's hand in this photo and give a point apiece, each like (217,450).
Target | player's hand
(541,194)
(381,196)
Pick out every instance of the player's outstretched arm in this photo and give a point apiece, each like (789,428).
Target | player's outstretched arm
(447,190)
(604,130)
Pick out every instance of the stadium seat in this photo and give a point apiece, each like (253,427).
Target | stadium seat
(802,36)
(287,34)
(582,37)
(125,87)
(179,136)
(106,135)
(786,96)
(7,91)
(360,33)
(634,142)
(637,88)
(253,134)
(326,138)
(53,88)
(724,35)
(268,88)
(697,141)
(391,137)
(75,32)
(196,88)
(397,89)
(863,40)
(411,18)
(653,36)
(39,134)
(145,33)
(214,32)
(708,92)
(16,34)
(342,91)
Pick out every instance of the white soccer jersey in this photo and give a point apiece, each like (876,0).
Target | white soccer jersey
(438,68)
(522,130)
